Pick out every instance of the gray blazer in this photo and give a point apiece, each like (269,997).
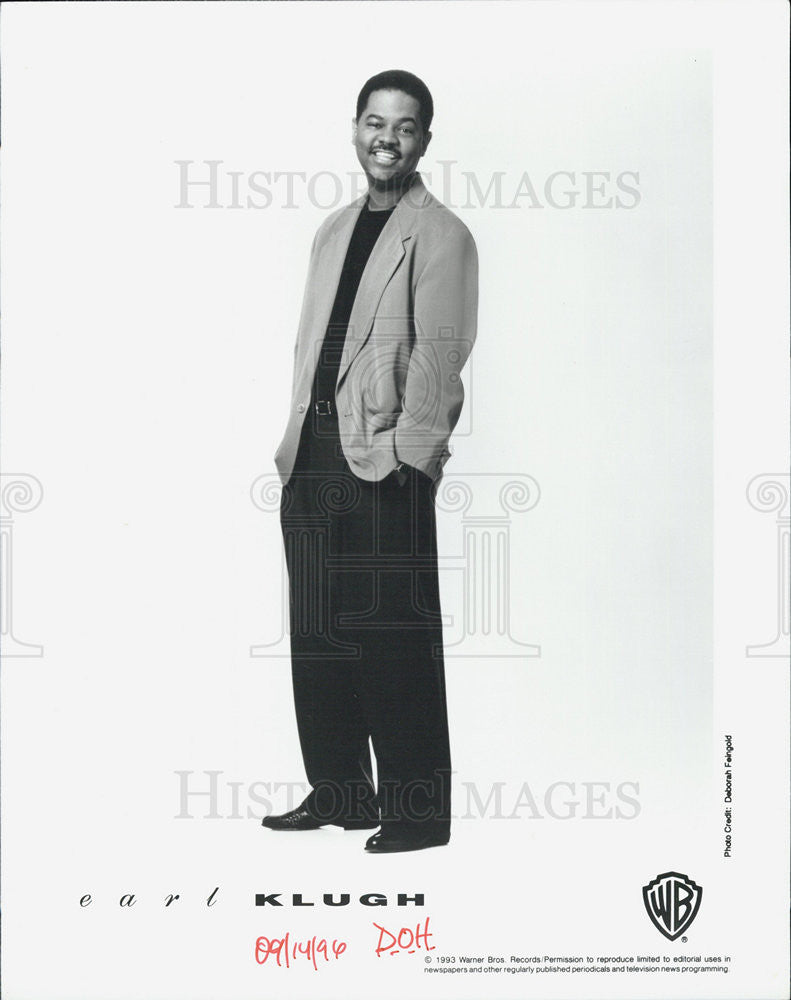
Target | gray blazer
(399,391)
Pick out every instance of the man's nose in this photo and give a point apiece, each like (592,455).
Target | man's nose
(389,136)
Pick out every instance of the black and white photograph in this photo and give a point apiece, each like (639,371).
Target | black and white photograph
(395,500)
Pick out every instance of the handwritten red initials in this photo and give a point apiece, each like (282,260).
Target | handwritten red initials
(404,940)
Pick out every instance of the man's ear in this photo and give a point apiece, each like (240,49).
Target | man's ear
(426,141)
(354,130)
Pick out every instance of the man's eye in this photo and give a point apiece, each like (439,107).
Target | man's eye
(407,130)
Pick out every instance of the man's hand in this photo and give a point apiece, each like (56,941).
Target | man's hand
(402,472)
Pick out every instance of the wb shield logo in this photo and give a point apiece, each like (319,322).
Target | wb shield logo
(672,901)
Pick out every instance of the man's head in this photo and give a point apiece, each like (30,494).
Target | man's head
(391,129)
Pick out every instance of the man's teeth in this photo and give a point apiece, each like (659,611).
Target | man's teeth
(382,154)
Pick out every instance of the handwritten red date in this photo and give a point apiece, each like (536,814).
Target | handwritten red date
(284,950)
(404,940)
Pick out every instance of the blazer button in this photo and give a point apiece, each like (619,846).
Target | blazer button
(301,408)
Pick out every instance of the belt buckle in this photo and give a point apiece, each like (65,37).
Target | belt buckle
(323,407)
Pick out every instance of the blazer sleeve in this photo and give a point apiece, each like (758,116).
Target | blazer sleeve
(445,326)
(303,312)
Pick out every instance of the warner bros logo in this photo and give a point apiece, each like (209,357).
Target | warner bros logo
(672,901)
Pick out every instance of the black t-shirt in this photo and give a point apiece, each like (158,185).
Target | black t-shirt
(366,232)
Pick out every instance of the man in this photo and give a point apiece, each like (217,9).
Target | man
(388,320)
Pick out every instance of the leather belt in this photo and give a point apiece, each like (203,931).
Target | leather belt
(324,407)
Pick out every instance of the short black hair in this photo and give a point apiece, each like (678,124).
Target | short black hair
(400,79)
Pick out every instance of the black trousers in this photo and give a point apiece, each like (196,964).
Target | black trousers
(366,639)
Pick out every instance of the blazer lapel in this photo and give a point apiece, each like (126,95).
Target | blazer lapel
(385,258)
(382,264)
(325,280)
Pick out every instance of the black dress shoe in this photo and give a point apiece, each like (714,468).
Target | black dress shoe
(392,842)
(301,819)
(297,819)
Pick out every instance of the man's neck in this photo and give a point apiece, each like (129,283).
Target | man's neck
(382,198)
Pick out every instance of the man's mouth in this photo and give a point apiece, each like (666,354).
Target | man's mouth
(385,156)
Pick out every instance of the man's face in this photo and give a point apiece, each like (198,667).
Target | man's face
(389,138)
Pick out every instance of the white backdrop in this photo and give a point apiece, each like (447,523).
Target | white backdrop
(147,363)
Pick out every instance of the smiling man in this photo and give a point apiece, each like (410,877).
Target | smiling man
(388,321)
